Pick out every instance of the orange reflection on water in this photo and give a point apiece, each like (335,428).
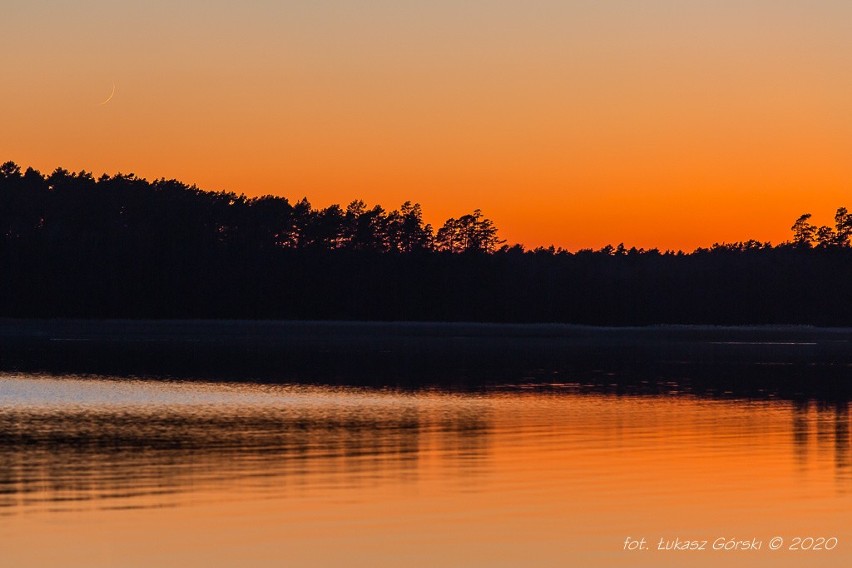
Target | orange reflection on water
(170,474)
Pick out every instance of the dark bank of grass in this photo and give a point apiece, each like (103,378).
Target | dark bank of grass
(757,361)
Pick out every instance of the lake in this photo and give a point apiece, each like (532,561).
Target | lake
(561,460)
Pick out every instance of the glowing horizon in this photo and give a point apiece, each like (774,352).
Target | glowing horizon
(579,124)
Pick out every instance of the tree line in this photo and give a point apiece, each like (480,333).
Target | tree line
(65,201)
(72,245)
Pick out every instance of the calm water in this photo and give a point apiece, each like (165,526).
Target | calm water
(101,471)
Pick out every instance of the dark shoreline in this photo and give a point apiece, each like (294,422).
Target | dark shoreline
(166,329)
(753,361)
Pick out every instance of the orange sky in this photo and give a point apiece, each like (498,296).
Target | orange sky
(668,124)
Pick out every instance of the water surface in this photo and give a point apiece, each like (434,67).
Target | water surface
(106,471)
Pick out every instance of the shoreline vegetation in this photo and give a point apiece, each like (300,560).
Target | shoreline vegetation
(76,246)
(758,362)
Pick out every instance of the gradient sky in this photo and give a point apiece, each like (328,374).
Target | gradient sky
(670,124)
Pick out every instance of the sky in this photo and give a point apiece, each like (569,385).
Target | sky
(656,123)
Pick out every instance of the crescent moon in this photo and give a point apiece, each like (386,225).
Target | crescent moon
(109,98)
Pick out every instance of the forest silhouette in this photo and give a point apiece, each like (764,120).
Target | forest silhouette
(72,245)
